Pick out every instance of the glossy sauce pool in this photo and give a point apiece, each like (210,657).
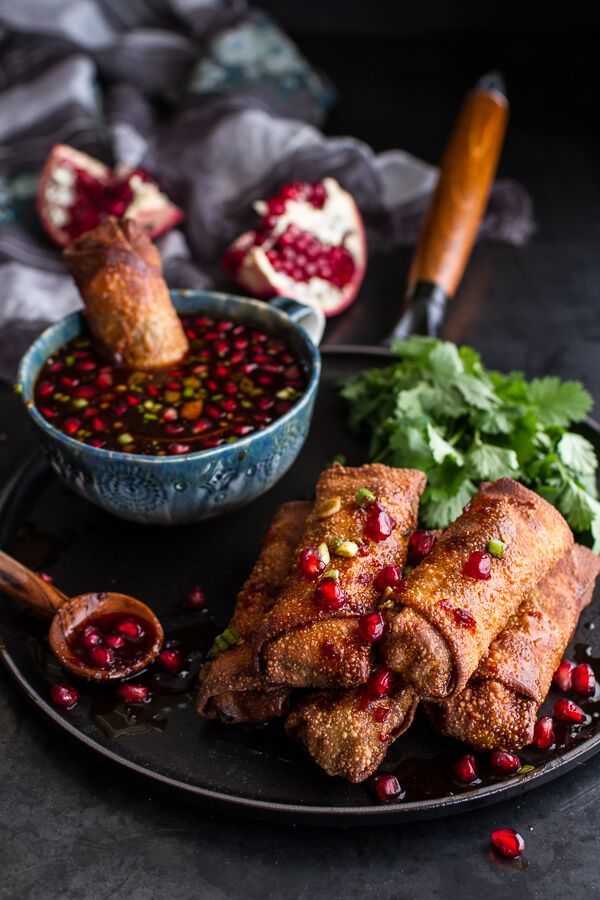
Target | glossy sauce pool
(235,380)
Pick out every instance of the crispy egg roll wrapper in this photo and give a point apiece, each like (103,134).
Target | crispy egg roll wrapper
(498,708)
(430,641)
(347,735)
(233,691)
(118,272)
(300,644)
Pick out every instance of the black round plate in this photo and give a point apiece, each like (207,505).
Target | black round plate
(247,770)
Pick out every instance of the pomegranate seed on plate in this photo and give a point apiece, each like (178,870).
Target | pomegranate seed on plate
(378,524)
(584,680)
(420,544)
(387,788)
(195,599)
(133,693)
(503,763)
(310,562)
(465,769)
(329,594)
(567,711)
(45,576)
(508,842)
(63,695)
(389,576)
(543,733)
(170,661)
(71,426)
(563,677)
(478,566)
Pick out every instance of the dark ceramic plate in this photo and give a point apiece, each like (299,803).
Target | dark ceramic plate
(246,770)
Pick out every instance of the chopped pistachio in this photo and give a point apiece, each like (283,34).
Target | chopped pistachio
(328,508)
(345,549)
(388,604)
(331,573)
(287,393)
(496,548)
(125,438)
(189,393)
(323,551)
(69,360)
(172,396)
(524,769)
(364,497)
(80,402)
(388,592)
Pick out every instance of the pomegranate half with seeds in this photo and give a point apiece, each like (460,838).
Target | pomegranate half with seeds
(76,192)
(309,245)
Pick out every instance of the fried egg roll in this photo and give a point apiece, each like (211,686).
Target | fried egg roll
(449,618)
(118,272)
(346,733)
(499,706)
(233,691)
(310,639)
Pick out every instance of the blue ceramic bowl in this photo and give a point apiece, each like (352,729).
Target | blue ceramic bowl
(168,490)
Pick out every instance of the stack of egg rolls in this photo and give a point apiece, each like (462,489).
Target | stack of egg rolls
(303,645)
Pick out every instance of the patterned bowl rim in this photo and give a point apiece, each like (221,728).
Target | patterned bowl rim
(28,363)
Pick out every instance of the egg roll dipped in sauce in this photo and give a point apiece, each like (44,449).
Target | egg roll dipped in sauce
(498,708)
(118,272)
(232,689)
(460,596)
(361,521)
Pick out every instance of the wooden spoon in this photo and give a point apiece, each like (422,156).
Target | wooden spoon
(68,614)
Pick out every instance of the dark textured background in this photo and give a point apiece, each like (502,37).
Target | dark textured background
(71,828)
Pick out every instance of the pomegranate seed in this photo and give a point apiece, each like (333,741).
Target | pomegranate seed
(465,769)
(584,680)
(45,388)
(98,424)
(170,661)
(331,651)
(130,628)
(115,641)
(91,637)
(45,576)
(48,413)
(378,524)
(104,380)
(56,366)
(69,381)
(173,428)
(101,656)
(152,390)
(201,425)
(86,365)
(478,566)
(420,544)
(567,711)
(380,683)
(64,696)
(371,627)
(381,714)
(133,693)
(132,400)
(97,442)
(242,430)
(310,562)
(543,733)
(195,599)
(461,616)
(178,449)
(563,677)
(508,842)
(504,763)
(387,788)
(87,391)
(229,405)
(390,576)
(70,426)
(221,372)
(329,594)
(173,386)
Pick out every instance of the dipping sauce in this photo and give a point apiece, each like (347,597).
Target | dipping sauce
(110,639)
(235,380)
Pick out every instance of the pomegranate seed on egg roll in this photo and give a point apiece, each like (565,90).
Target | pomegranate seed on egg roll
(233,691)
(348,733)
(118,272)
(498,708)
(361,522)
(461,595)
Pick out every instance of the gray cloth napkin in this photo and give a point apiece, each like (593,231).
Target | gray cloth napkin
(210,97)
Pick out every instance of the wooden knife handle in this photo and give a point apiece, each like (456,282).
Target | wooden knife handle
(459,201)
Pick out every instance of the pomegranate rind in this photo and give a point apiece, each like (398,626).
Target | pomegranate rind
(149,207)
(247,263)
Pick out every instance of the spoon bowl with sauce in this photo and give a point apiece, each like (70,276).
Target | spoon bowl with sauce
(98,636)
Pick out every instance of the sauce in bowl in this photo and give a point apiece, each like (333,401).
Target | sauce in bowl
(235,380)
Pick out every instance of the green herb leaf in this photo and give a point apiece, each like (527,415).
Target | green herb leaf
(559,402)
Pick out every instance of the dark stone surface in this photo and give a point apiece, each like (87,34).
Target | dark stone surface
(73,829)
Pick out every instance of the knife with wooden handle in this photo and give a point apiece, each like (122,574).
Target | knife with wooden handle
(457,207)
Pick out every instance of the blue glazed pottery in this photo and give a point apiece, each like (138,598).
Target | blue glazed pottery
(170,490)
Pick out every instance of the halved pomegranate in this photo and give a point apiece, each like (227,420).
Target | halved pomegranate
(310,245)
(76,192)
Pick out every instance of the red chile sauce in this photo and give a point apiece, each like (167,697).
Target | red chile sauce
(234,381)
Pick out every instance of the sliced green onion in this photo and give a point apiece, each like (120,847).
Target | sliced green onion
(496,548)
(364,497)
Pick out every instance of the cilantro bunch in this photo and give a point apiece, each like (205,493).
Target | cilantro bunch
(438,409)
